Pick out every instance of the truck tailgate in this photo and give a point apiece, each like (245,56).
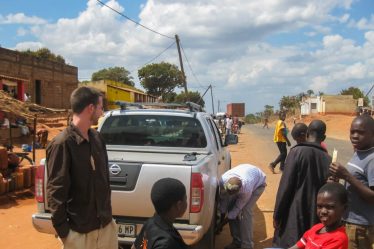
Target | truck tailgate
(131,187)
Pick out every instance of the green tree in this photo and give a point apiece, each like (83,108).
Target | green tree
(357,93)
(310,92)
(250,119)
(269,110)
(169,97)
(159,79)
(190,97)
(117,74)
(289,102)
(253,118)
(300,96)
(45,53)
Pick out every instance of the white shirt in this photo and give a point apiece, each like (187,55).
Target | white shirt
(228,123)
(251,177)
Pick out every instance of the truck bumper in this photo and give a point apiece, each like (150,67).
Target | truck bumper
(42,223)
(191,234)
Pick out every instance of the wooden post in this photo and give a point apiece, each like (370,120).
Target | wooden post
(211,94)
(181,63)
(34,139)
(10,137)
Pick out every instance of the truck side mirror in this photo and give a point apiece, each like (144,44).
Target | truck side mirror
(231,139)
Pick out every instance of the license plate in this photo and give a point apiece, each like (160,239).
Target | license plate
(126,230)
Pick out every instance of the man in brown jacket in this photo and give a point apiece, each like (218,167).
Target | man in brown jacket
(78,189)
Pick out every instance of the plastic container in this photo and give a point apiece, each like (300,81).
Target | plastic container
(3,158)
(19,181)
(25,147)
(6,184)
(12,183)
(2,185)
(26,176)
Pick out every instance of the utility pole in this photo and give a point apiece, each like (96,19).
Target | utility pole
(181,62)
(219,107)
(211,94)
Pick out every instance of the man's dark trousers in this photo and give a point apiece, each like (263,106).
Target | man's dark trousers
(282,146)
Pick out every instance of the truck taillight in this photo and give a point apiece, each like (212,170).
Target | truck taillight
(39,184)
(197,193)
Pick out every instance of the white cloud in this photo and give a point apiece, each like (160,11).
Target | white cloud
(22,31)
(363,23)
(29,45)
(21,18)
(322,29)
(311,34)
(344,18)
(224,41)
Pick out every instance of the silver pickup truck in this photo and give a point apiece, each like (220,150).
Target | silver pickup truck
(145,145)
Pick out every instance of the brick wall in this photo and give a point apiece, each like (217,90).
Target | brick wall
(57,80)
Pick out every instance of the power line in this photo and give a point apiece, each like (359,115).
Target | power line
(163,51)
(128,18)
(154,58)
(189,65)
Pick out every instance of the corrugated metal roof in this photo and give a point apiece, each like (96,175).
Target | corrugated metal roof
(12,78)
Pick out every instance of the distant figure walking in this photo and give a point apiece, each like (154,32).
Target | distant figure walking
(228,125)
(266,121)
(280,138)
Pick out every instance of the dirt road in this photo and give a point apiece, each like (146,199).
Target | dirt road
(255,146)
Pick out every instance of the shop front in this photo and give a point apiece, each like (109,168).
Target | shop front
(15,87)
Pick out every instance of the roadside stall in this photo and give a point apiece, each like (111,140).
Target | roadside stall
(19,138)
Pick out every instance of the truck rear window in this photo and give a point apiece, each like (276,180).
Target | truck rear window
(153,130)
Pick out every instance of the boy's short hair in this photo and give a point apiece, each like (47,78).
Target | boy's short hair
(367,120)
(337,190)
(299,130)
(82,97)
(165,193)
(318,128)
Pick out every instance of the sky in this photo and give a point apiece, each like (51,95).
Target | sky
(250,51)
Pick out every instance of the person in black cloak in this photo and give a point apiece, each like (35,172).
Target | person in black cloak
(306,170)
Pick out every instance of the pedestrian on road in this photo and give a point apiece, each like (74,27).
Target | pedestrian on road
(228,125)
(359,182)
(240,125)
(305,172)
(240,188)
(330,233)
(78,190)
(280,138)
(266,123)
(169,199)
